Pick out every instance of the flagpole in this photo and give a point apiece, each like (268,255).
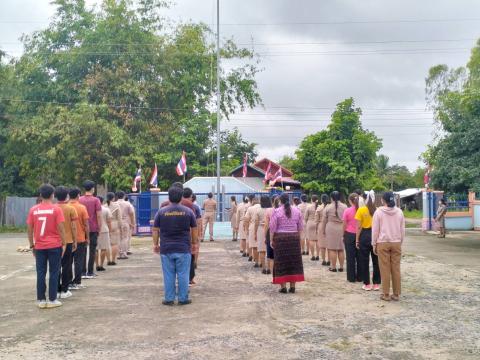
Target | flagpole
(218,112)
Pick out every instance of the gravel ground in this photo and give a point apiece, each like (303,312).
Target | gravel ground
(237,314)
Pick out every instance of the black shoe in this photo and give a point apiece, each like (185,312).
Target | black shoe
(101,268)
(264,271)
(268,272)
(332,270)
(328,263)
(340,270)
(256,265)
(244,255)
(113,263)
(283,290)
(234,239)
(201,240)
(98,268)
(324,263)
(291,290)
(313,258)
(250,258)
(168,303)
(129,253)
(212,240)
(186,302)
(110,263)
(317,258)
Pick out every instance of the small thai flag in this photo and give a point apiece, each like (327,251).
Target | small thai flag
(182,165)
(276,177)
(138,178)
(245,169)
(154,178)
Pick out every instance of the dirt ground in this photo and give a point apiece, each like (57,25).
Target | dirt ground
(237,314)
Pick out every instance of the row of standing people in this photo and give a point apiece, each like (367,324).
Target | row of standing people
(71,235)
(330,229)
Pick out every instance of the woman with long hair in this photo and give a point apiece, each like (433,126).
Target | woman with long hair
(364,215)
(270,252)
(116,227)
(311,227)
(349,237)
(259,220)
(286,225)
(333,230)
(322,241)
(233,217)
(388,233)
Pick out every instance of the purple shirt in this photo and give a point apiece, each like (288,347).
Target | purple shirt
(93,207)
(279,222)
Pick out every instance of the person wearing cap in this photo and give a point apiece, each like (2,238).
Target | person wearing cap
(388,234)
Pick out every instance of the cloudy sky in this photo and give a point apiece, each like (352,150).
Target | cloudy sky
(316,53)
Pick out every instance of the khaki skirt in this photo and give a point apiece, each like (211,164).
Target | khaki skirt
(334,235)
(311,230)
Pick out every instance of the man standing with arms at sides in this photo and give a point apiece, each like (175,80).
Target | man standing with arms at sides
(132,224)
(94,209)
(70,215)
(303,209)
(46,235)
(83,231)
(175,227)
(128,218)
(210,206)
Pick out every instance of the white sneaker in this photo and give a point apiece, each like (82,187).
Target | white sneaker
(65,295)
(42,304)
(81,286)
(73,287)
(84,276)
(53,304)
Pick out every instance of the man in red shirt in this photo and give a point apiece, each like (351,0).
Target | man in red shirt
(94,209)
(46,235)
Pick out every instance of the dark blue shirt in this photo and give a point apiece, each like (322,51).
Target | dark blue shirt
(175,221)
(198,211)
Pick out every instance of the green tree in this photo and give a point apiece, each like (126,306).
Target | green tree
(342,157)
(102,91)
(454,96)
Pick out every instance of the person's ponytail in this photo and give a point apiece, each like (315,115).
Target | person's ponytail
(389,199)
(335,196)
(110,197)
(285,200)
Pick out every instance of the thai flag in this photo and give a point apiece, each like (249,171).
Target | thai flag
(137,179)
(244,170)
(182,165)
(154,178)
(267,173)
(277,177)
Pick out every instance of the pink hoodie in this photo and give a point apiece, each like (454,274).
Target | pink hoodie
(388,225)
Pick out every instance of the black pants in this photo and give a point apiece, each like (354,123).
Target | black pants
(365,252)
(352,256)
(192,268)
(79,257)
(66,277)
(92,247)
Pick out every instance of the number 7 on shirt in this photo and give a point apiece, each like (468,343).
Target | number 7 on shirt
(43,219)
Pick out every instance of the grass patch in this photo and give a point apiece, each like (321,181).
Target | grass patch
(414,214)
(412,226)
(12,229)
(342,345)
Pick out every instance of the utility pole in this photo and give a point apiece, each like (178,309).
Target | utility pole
(219,205)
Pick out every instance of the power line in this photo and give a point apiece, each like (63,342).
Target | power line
(357,42)
(351,22)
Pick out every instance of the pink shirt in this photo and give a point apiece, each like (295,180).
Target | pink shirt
(349,220)
(93,207)
(279,222)
(388,225)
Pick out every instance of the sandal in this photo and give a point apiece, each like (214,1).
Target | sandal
(332,270)
(291,290)
(283,290)
(385,297)
(340,270)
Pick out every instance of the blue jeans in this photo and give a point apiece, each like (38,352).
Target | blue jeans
(52,258)
(176,265)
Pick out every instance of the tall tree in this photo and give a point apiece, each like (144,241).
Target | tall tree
(342,157)
(454,95)
(102,91)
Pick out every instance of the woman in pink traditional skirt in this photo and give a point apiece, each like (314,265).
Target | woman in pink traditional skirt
(286,225)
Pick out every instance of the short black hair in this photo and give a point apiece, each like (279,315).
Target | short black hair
(46,191)
(251,196)
(210,195)
(194,197)
(74,192)
(187,192)
(125,197)
(61,193)
(100,198)
(177,184)
(304,197)
(120,195)
(443,201)
(175,194)
(265,202)
(88,185)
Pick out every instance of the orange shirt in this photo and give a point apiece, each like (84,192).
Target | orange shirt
(70,215)
(82,220)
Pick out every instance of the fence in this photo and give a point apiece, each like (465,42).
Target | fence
(147,204)
(457,202)
(14,210)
